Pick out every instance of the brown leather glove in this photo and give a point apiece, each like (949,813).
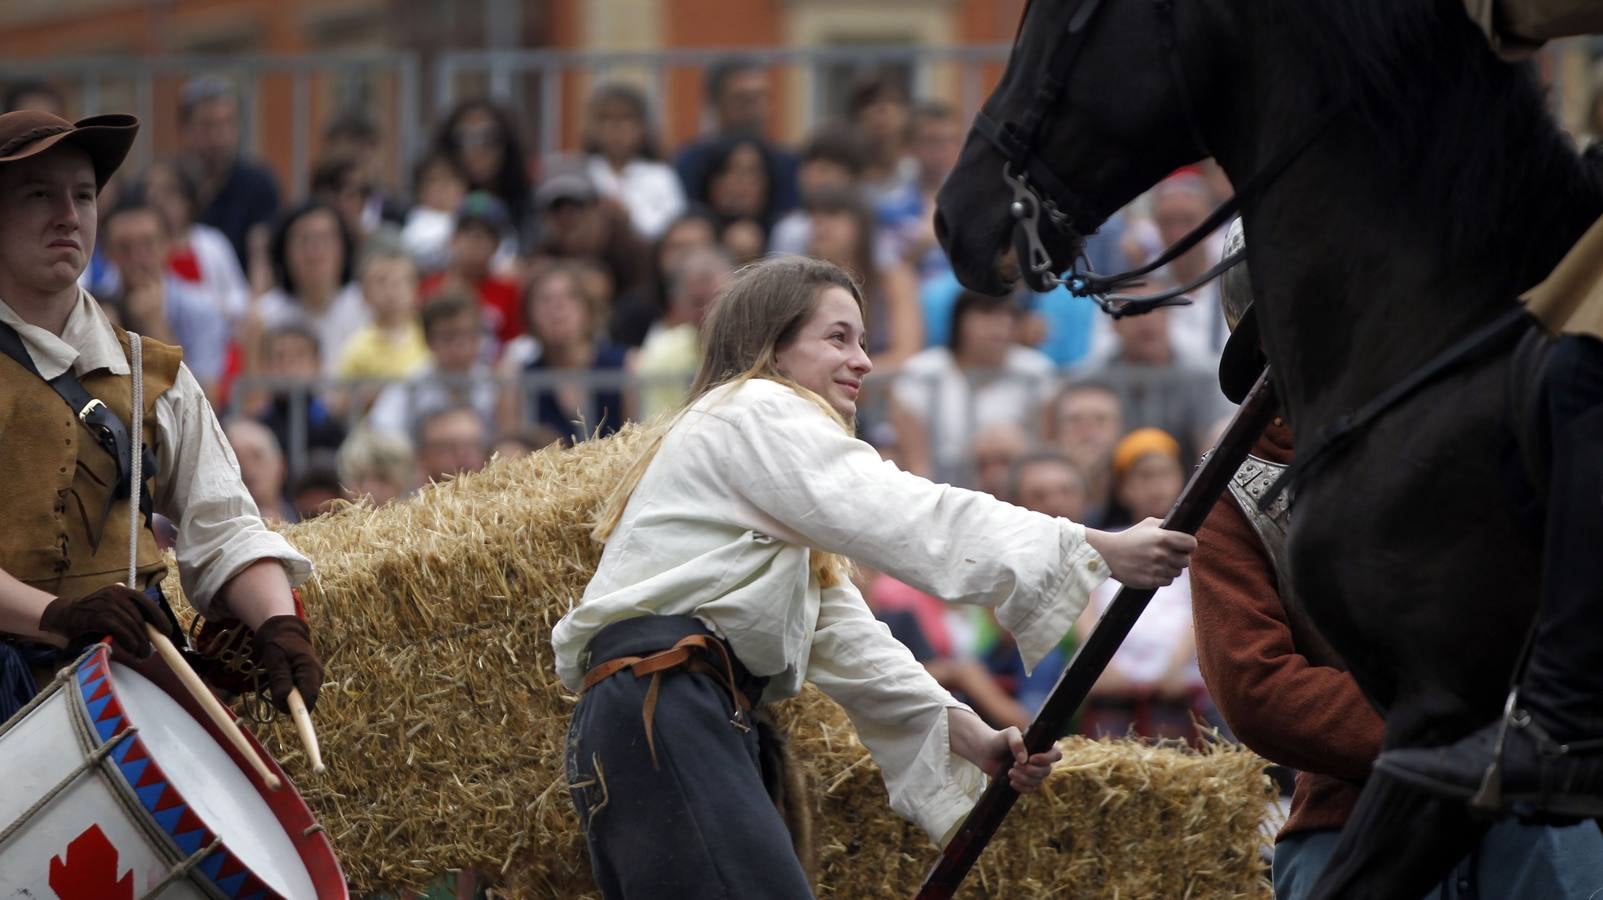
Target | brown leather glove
(284,651)
(114,609)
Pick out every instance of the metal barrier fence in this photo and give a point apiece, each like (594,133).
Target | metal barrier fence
(956,73)
(1148,396)
(305,90)
(546,86)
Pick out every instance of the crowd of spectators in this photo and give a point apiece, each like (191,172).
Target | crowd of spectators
(369,337)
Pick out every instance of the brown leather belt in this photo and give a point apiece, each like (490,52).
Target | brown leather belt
(689,653)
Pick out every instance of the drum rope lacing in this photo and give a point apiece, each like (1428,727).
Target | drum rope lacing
(182,869)
(89,762)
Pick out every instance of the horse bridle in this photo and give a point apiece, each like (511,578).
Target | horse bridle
(1036,188)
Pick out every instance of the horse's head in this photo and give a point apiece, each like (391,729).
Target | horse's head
(1100,100)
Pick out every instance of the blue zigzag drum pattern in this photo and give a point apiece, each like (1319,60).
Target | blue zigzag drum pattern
(115,787)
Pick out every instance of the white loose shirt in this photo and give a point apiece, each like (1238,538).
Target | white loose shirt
(648,189)
(721,527)
(198,486)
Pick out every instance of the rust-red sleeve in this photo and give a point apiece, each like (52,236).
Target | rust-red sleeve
(1279,704)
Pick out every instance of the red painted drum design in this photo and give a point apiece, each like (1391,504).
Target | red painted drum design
(113,786)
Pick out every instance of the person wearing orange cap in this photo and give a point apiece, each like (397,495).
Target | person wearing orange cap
(72,439)
(1151,685)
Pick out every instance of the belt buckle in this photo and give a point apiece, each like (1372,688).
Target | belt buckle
(88,409)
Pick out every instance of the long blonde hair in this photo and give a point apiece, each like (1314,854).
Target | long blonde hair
(757,316)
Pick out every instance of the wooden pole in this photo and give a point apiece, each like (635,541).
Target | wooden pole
(1193,506)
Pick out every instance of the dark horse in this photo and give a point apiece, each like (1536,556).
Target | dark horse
(1439,192)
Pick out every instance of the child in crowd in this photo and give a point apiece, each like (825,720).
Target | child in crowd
(378,466)
(481,225)
(439,186)
(391,344)
(293,362)
(456,375)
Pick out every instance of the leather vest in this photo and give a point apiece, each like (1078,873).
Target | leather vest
(61,530)
(1250,483)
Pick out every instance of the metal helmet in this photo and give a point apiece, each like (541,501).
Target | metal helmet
(1235,288)
(1242,359)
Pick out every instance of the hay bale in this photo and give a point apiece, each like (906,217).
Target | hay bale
(443,723)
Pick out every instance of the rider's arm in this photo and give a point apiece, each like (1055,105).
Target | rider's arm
(1279,703)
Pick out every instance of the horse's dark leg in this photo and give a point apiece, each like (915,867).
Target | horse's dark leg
(1398,845)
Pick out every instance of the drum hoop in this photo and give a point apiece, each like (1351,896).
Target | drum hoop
(143,787)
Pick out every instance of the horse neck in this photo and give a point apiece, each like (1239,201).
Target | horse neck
(1358,287)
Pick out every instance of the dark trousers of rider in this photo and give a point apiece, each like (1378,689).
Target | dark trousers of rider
(1512,862)
(699,822)
(1563,686)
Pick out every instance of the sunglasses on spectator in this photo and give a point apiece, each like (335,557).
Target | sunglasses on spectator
(477,135)
(562,203)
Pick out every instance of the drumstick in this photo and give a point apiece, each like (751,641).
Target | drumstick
(303,727)
(214,707)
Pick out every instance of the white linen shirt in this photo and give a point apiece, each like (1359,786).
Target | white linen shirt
(647,188)
(721,525)
(198,486)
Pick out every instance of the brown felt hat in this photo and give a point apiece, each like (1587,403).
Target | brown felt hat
(29,132)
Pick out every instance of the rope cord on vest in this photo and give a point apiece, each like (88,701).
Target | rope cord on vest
(137,465)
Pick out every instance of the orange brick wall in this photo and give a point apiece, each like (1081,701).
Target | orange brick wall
(137,29)
(714,23)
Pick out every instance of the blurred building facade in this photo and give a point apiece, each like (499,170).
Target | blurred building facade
(401,61)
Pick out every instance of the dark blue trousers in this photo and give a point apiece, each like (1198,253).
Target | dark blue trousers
(698,824)
(1512,862)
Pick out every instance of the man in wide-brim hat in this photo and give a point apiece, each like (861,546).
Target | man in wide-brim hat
(67,451)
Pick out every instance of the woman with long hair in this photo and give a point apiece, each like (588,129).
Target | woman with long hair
(565,315)
(482,138)
(313,256)
(740,182)
(725,583)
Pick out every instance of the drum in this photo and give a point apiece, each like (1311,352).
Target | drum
(116,787)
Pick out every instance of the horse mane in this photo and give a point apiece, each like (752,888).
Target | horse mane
(1433,98)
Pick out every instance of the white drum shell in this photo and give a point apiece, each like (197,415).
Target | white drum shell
(39,751)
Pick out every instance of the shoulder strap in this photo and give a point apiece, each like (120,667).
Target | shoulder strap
(109,431)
